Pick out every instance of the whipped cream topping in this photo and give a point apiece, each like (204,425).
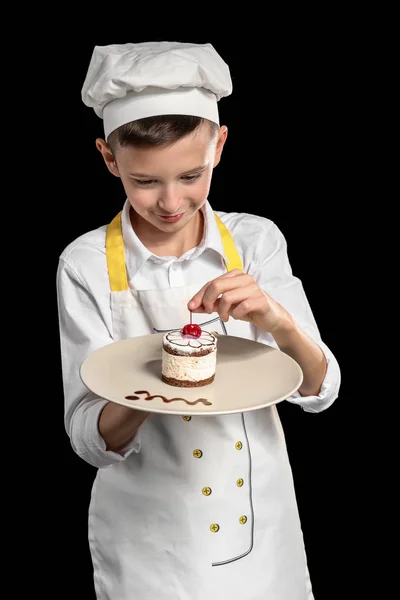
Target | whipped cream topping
(188,342)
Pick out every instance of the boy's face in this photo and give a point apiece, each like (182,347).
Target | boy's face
(167,186)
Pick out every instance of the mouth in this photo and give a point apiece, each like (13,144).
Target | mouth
(170,218)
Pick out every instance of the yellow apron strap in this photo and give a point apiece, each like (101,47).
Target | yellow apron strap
(232,255)
(116,255)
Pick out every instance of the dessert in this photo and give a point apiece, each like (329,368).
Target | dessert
(189,357)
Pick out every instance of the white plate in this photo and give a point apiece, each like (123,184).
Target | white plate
(249,376)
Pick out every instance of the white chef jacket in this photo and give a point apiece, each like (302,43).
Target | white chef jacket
(86,321)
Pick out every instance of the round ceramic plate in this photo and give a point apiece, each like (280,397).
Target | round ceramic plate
(249,376)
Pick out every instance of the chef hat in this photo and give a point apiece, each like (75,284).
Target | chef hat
(125,82)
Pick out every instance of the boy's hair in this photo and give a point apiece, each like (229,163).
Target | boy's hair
(157,131)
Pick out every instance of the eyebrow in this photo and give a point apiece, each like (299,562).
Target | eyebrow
(194,170)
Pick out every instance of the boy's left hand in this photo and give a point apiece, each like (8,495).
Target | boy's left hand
(236,294)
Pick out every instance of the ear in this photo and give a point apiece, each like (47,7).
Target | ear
(222,135)
(108,156)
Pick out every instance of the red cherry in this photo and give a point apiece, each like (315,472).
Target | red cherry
(192,329)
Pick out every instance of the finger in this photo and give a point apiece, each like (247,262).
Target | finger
(229,300)
(244,310)
(197,299)
(221,286)
(195,304)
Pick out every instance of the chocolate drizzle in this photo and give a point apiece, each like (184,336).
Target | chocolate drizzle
(167,400)
(177,338)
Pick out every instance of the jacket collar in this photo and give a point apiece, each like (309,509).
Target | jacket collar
(138,255)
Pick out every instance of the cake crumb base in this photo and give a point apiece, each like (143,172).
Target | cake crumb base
(185,384)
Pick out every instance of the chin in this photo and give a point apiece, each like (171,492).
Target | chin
(168,227)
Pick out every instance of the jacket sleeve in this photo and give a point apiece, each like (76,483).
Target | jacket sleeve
(274,274)
(83,329)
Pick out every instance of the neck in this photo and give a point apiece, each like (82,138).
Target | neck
(164,244)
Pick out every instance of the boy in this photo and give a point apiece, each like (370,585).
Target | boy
(183,508)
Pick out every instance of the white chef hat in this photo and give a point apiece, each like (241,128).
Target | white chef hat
(125,82)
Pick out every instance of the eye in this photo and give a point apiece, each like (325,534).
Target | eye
(190,178)
(144,182)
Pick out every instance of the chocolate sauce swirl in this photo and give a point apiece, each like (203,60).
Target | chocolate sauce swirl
(167,400)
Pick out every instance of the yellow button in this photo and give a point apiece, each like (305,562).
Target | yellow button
(239,482)
(186,418)
(197,453)
(239,445)
(243,520)
(206,491)
(214,527)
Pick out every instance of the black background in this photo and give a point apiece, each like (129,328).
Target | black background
(289,157)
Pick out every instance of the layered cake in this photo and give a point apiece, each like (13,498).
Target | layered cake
(189,357)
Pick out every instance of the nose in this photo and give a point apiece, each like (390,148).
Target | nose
(169,201)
